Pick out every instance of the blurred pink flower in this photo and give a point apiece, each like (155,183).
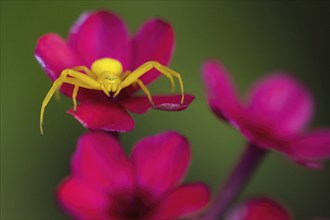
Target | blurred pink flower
(105,184)
(102,34)
(274,117)
(259,209)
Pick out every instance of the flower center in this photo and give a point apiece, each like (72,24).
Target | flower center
(137,207)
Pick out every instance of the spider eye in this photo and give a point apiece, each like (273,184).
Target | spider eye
(110,78)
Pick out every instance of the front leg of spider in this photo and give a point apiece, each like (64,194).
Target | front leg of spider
(77,79)
(144,68)
(85,69)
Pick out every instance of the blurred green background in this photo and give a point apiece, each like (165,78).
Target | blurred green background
(251,38)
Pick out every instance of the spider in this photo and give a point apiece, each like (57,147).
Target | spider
(107,75)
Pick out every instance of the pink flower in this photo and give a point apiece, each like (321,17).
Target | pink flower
(102,34)
(105,184)
(258,209)
(274,117)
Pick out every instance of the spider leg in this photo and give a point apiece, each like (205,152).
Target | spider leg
(73,81)
(86,79)
(86,70)
(122,77)
(76,84)
(118,89)
(145,90)
(125,74)
(80,80)
(57,95)
(74,97)
(145,68)
(105,90)
(162,69)
(77,68)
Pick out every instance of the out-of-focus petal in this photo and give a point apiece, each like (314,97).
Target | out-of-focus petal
(108,116)
(285,103)
(259,208)
(220,92)
(258,131)
(100,34)
(184,202)
(81,200)
(100,160)
(307,149)
(54,55)
(153,42)
(141,104)
(315,165)
(161,162)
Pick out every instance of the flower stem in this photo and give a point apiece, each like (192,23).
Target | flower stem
(248,163)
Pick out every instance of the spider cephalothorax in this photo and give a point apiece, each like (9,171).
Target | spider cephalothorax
(107,75)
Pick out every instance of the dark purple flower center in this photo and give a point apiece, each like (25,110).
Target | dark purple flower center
(135,207)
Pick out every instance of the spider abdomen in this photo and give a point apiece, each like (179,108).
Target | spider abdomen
(103,65)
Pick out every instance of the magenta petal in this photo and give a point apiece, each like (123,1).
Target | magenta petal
(283,101)
(153,42)
(185,201)
(259,208)
(100,160)
(108,116)
(220,92)
(313,146)
(140,105)
(54,55)
(161,161)
(81,200)
(315,165)
(98,35)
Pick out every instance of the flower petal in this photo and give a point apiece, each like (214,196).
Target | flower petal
(312,146)
(81,200)
(259,208)
(54,55)
(100,34)
(140,105)
(100,160)
(184,202)
(285,103)
(153,42)
(108,116)
(161,161)
(220,92)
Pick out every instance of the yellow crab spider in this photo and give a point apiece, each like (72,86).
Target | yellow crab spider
(107,75)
